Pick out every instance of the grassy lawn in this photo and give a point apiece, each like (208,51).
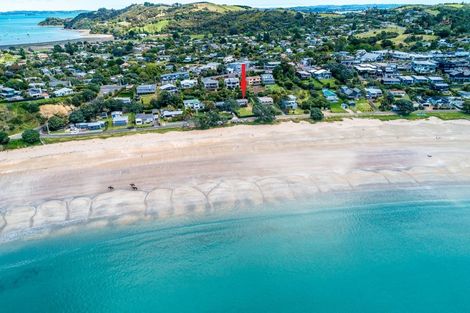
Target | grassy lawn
(373,32)
(331,82)
(363,106)
(400,39)
(336,108)
(218,8)
(154,28)
(296,112)
(245,112)
(19,144)
(146,99)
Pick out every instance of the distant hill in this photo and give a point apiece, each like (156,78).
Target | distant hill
(344,8)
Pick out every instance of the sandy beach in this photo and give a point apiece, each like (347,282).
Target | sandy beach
(197,172)
(85,35)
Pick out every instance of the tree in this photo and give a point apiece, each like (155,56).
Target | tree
(264,113)
(316,114)
(208,120)
(404,107)
(466,106)
(76,117)
(30,136)
(56,123)
(4,139)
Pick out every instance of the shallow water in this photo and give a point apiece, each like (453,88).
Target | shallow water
(22,28)
(394,251)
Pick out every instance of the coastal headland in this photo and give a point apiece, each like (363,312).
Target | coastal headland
(198,172)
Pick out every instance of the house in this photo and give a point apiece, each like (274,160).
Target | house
(329,95)
(59,83)
(459,76)
(123,100)
(91,126)
(232,82)
(303,74)
(253,80)
(242,102)
(408,80)
(169,88)
(146,89)
(188,83)
(373,93)
(322,74)
(271,65)
(390,81)
(423,67)
(172,77)
(63,92)
(397,93)
(121,120)
(7,92)
(115,114)
(268,79)
(142,119)
(351,93)
(210,84)
(37,93)
(266,100)
(435,79)
(290,102)
(419,79)
(440,86)
(171,114)
(371,57)
(193,104)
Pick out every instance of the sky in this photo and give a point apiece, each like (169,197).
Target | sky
(56,5)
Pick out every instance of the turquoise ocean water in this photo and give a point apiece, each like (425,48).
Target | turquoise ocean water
(393,251)
(22,28)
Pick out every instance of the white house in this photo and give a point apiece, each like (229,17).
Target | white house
(193,104)
(63,92)
(290,102)
(188,83)
(423,67)
(232,82)
(266,100)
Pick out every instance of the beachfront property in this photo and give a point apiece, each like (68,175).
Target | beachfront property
(143,119)
(266,100)
(91,126)
(290,102)
(171,113)
(330,95)
(120,120)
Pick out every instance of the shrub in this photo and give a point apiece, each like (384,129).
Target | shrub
(316,114)
(30,136)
